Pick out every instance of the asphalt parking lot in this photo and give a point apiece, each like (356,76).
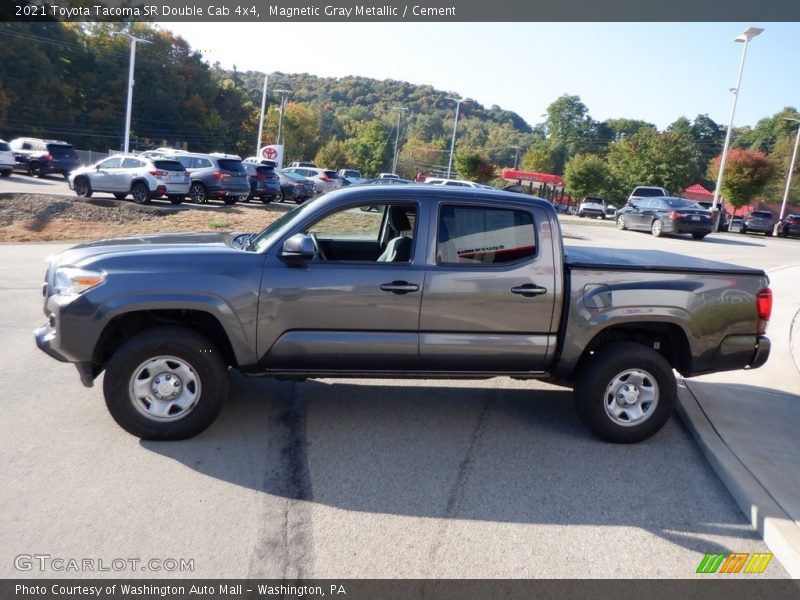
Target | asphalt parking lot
(337,479)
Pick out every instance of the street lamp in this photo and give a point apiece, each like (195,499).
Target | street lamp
(400,110)
(133,40)
(261,115)
(458,102)
(747,35)
(789,176)
(283,94)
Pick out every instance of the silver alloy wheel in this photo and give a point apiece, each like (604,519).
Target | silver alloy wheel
(81,187)
(197,192)
(656,228)
(140,193)
(631,397)
(621,222)
(164,388)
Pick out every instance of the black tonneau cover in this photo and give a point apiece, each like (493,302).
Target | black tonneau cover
(583,257)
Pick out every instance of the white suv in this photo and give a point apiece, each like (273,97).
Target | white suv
(142,178)
(324,180)
(7,160)
(592,206)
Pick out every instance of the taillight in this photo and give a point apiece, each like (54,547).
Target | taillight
(159,173)
(47,157)
(324,177)
(218,176)
(673,214)
(764,309)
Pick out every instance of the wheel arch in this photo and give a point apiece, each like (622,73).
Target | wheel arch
(668,339)
(124,326)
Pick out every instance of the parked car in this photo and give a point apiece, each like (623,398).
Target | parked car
(789,226)
(325,180)
(302,163)
(352,175)
(214,176)
(758,221)
(7,161)
(592,206)
(39,158)
(661,215)
(261,161)
(296,187)
(388,176)
(435,282)
(142,178)
(453,182)
(264,182)
(725,216)
(387,181)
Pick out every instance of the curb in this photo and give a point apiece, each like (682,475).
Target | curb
(777,529)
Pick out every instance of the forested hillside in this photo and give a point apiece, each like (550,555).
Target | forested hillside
(69,81)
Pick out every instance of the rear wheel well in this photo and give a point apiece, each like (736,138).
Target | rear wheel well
(667,339)
(123,327)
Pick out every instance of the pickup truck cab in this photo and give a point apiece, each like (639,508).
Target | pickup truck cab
(397,281)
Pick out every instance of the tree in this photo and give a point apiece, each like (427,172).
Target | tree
(624,127)
(768,130)
(370,151)
(471,164)
(666,159)
(333,155)
(586,174)
(780,159)
(746,174)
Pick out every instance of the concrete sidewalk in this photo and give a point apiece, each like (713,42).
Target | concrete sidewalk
(747,424)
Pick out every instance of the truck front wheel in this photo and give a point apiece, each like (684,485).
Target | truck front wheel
(166,383)
(626,393)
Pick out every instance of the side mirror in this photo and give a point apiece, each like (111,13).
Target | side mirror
(242,240)
(300,246)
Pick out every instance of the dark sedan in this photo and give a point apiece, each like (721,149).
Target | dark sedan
(661,215)
(295,187)
(789,226)
(264,182)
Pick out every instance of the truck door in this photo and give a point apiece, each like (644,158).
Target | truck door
(355,305)
(490,288)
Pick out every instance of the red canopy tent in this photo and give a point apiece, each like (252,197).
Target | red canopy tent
(697,192)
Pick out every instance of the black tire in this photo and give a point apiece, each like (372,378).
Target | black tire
(120,195)
(657,228)
(176,199)
(743,229)
(141,193)
(699,236)
(5,173)
(581,215)
(198,192)
(202,376)
(229,200)
(266,199)
(280,197)
(35,170)
(621,223)
(82,187)
(602,378)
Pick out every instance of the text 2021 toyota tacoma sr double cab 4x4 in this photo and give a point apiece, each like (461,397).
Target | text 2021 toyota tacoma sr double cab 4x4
(411,281)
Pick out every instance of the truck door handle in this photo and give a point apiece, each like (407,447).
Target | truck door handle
(399,287)
(529,290)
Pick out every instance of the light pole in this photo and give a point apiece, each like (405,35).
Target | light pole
(516,155)
(747,35)
(283,94)
(400,110)
(789,176)
(458,102)
(261,116)
(133,40)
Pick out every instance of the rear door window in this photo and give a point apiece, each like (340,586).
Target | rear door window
(168,165)
(132,163)
(228,164)
(484,235)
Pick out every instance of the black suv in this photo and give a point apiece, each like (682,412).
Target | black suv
(41,157)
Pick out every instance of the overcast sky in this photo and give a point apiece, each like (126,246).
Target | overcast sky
(651,71)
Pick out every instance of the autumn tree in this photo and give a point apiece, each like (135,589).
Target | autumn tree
(746,174)
(472,165)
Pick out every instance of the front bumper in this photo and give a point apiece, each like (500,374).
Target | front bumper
(47,340)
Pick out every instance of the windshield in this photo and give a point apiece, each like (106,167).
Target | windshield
(680,203)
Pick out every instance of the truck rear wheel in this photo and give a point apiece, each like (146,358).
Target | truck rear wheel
(166,383)
(626,393)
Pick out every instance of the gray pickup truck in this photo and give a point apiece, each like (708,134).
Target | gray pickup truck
(397,281)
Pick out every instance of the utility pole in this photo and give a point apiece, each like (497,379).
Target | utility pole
(400,110)
(131,64)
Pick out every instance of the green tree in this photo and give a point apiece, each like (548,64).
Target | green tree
(333,155)
(767,131)
(586,174)
(472,165)
(539,158)
(780,159)
(668,159)
(370,151)
(746,174)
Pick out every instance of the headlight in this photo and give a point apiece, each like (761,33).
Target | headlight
(71,281)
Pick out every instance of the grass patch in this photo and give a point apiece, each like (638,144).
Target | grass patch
(221,224)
